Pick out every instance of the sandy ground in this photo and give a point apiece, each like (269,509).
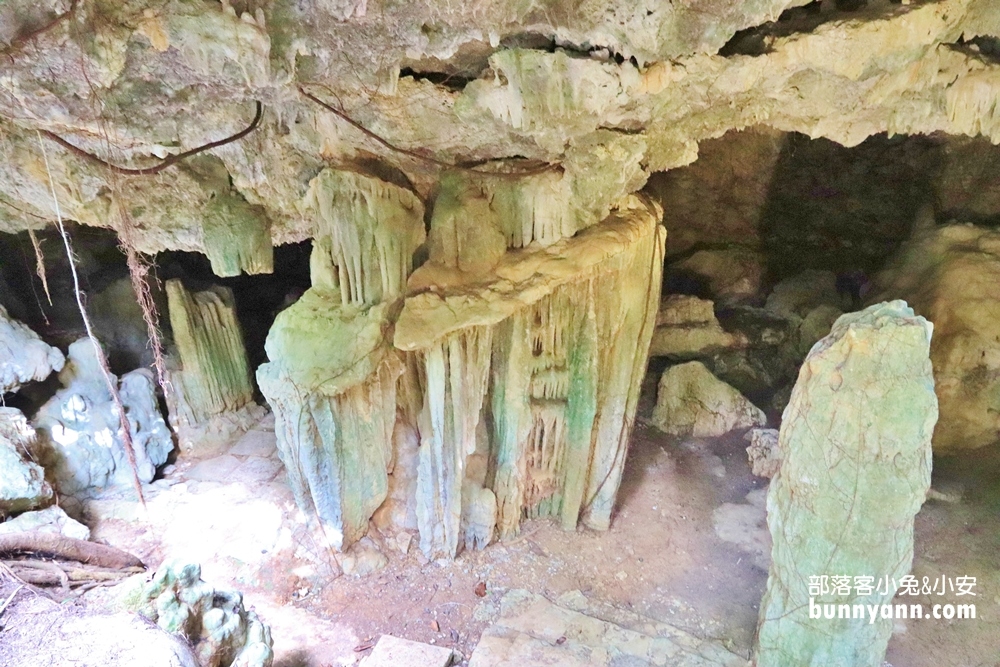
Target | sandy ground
(662,557)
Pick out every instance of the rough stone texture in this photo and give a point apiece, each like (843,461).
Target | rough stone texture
(79,442)
(49,520)
(22,482)
(23,355)
(765,458)
(731,275)
(686,328)
(395,652)
(574,633)
(690,401)
(214,377)
(856,463)
(948,275)
(221,632)
(803,292)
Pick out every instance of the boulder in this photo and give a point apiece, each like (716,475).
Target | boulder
(22,482)
(732,275)
(79,429)
(693,402)
(686,328)
(49,520)
(950,275)
(23,355)
(855,468)
(803,292)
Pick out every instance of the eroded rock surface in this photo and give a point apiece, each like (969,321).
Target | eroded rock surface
(855,469)
(686,328)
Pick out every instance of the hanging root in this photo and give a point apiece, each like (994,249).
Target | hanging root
(138,270)
(40,263)
(102,360)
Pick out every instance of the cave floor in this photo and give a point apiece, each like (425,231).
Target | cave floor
(663,558)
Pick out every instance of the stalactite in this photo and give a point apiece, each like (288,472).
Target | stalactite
(214,376)
(570,326)
(332,375)
(365,236)
(457,369)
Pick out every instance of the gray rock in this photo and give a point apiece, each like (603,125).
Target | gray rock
(855,446)
(23,355)
(395,652)
(22,483)
(79,428)
(49,520)
(214,621)
(763,451)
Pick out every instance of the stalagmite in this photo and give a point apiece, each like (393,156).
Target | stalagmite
(214,378)
(855,468)
(332,373)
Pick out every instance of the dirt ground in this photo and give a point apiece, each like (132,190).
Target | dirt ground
(662,558)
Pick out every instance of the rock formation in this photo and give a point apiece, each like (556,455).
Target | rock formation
(213,383)
(23,355)
(333,372)
(686,328)
(948,274)
(855,468)
(22,482)
(221,632)
(691,402)
(79,429)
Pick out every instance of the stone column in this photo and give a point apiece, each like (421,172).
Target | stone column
(855,445)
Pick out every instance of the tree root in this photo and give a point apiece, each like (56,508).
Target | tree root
(81,551)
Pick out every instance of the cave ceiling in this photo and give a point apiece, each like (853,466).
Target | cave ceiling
(603,93)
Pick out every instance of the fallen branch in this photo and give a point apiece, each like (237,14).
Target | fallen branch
(68,548)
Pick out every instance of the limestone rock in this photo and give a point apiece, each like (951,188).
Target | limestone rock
(763,452)
(78,428)
(23,355)
(214,377)
(948,275)
(214,621)
(395,652)
(686,328)
(815,326)
(720,197)
(731,275)
(49,520)
(691,401)
(363,558)
(570,633)
(803,292)
(855,469)
(22,482)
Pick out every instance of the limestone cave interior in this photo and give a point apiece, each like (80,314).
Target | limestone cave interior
(359,332)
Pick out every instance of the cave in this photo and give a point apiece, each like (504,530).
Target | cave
(350,332)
